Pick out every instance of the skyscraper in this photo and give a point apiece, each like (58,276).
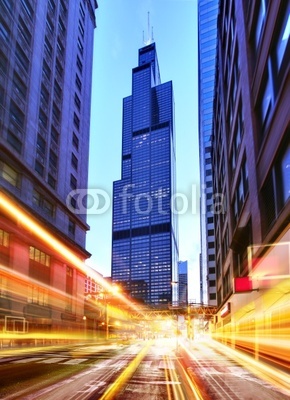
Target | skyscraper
(183,282)
(207,42)
(251,158)
(144,238)
(46,53)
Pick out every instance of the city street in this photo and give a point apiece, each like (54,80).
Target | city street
(158,369)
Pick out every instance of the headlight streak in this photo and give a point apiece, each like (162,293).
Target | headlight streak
(191,382)
(125,376)
(18,215)
(177,390)
(259,369)
(167,381)
(277,378)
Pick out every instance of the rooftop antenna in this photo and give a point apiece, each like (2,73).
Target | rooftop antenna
(149,39)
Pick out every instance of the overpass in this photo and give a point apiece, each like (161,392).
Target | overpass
(142,312)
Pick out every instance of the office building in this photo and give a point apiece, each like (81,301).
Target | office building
(46,52)
(251,159)
(207,39)
(183,282)
(144,238)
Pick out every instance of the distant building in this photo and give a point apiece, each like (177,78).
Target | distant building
(144,238)
(251,160)
(183,282)
(46,53)
(207,42)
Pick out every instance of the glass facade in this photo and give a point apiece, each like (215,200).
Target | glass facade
(144,239)
(207,39)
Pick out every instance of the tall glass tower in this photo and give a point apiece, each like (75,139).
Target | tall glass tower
(207,42)
(144,237)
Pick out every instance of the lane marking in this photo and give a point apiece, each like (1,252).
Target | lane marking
(74,361)
(52,360)
(27,360)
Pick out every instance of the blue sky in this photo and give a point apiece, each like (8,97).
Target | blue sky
(119,35)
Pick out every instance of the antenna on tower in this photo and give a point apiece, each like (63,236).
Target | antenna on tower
(149,38)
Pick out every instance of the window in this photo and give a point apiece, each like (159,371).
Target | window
(51,181)
(60,47)
(4,31)
(71,227)
(4,238)
(48,208)
(3,63)
(82,12)
(73,182)
(54,134)
(79,64)
(51,5)
(16,114)
(14,142)
(47,46)
(39,167)
(283,38)
(39,265)
(19,86)
(74,161)
(241,190)
(59,68)
(39,256)
(69,280)
(46,70)
(38,296)
(77,102)
(42,118)
(260,22)
(22,58)
(49,25)
(27,8)
(267,96)
(43,203)
(9,174)
(44,95)
(41,144)
(61,27)
(57,90)
(284,167)
(76,121)
(53,159)
(56,112)
(7,4)
(75,141)
(81,29)
(78,83)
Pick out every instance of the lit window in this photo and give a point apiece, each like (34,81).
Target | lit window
(9,174)
(4,238)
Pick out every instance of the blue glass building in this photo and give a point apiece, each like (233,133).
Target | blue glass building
(207,44)
(144,237)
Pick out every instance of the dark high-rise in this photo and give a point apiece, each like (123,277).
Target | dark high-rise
(144,238)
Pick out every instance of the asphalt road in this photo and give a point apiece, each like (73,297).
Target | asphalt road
(141,370)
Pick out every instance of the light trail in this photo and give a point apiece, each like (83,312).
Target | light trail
(125,376)
(17,214)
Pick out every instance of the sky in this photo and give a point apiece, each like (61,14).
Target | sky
(118,37)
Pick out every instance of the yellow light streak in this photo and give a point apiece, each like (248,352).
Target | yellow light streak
(125,375)
(17,214)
